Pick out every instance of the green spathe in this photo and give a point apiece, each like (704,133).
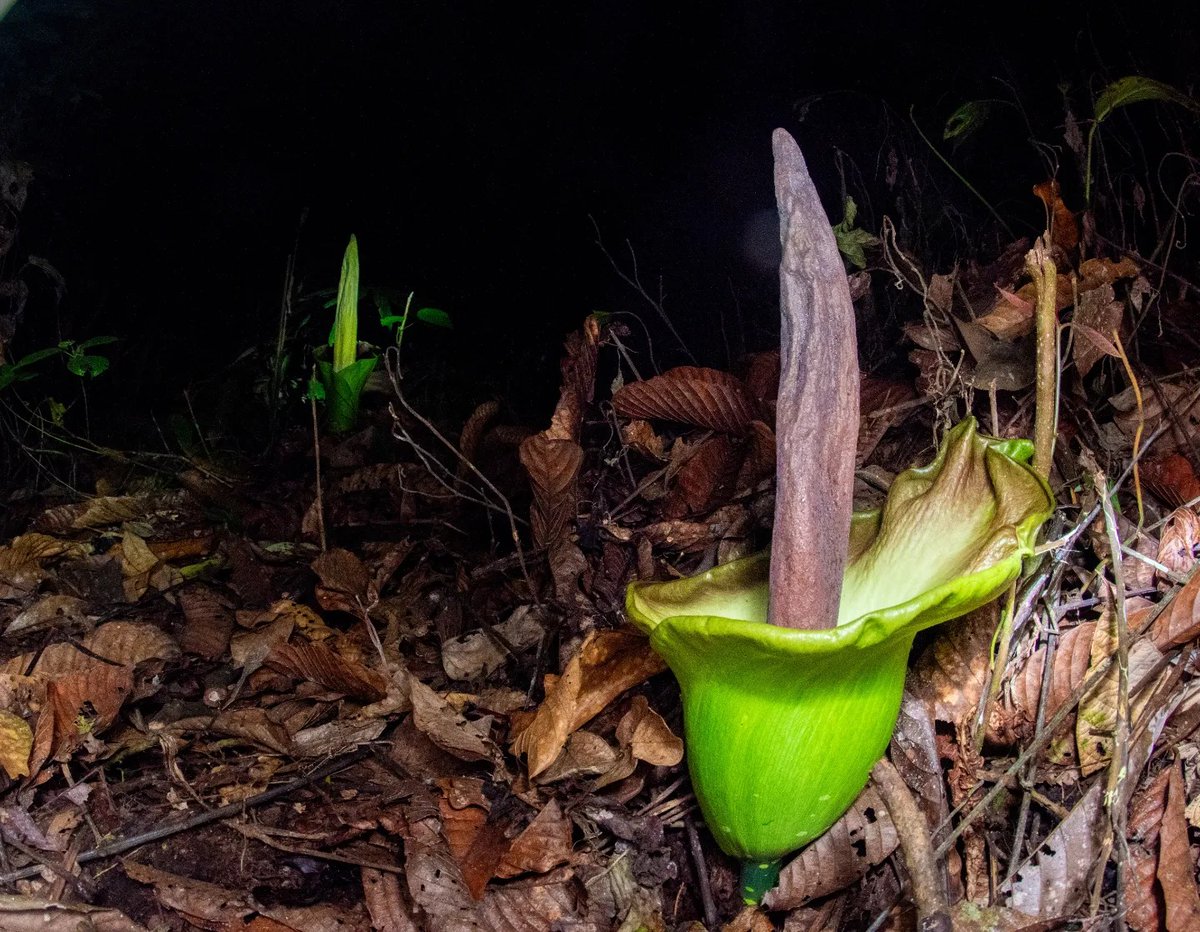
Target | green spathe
(782,724)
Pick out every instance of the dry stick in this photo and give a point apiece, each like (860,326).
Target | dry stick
(928,882)
(1045,278)
(392,363)
(1056,721)
(817,408)
(711,917)
(1118,765)
(203,818)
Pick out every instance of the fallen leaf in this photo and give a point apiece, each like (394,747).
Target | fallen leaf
(345,583)
(478,653)
(1097,315)
(860,839)
(16,742)
(1142,910)
(448,729)
(208,622)
(647,736)
(1171,478)
(606,664)
(544,844)
(316,663)
(1176,863)
(692,395)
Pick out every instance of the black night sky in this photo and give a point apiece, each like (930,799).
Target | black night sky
(176,147)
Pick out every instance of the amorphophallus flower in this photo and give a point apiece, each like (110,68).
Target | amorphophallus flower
(792,664)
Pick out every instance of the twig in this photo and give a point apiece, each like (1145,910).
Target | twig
(711,919)
(928,883)
(634,281)
(1118,765)
(203,818)
(392,364)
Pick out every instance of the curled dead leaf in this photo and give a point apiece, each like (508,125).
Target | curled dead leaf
(692,395)
(606,664)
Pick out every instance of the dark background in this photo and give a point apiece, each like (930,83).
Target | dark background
(176,147)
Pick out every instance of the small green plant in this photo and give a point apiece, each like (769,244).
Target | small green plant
(79,358)
(1122,92)
(399,323)
(340,380)
(852,242)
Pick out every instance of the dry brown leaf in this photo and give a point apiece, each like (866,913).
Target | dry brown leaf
(201,902)
(640,437)
(692,395)
(28,914)
(553,466)
(336,737)
(1179,540)
(647,736)
(1171,478)
(479,653)
(1179,622)
(1063,225)
(254,725)
(22,562)
(690,536)
(762,374)
(578,364)
(966,916)
(542,846)
(1101,271)
(1176,863)
(1096,717)
(1005,365)
(50,610)
(472,433)
(587,754)
(606,664)
(952,673)
(1097,315)
(345,583)
(1013,719)
(16,743)
(1153,411)
(1142,909)
(477,844)
(141,569)
(1054,881)
(318,664)
(1011,316)
(384,902)
(706,476)
(860,839)
(448,729)
(208,622)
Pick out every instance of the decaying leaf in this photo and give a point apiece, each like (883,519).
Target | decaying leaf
(1097,315)
(692,395)
(1142,910)
(16,741)
(346,584)
(318,664)
(607,663)
(447,728)
(647,736)
(862,838)
(481,652)
(1176,863)
(208,622)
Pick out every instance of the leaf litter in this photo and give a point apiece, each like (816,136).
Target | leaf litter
(439,719)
